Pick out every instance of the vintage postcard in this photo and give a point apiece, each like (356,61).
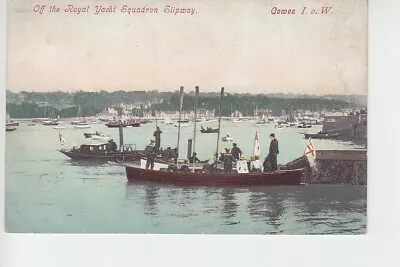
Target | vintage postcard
(186,117)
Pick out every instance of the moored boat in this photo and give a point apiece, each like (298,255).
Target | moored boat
(13,123)
(322,135)
(100,151)
(202,178)
(209,130)
(304,125)
(10,128)
(182,124)
(145,121)
(89,135)
(82,125)
(167,121)
(123,123)
(227,138)
(10,122)
(50,122)
(101,137)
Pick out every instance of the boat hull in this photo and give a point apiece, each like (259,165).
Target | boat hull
(209,131)
(82,126)
(321,136)
(10,129)
(116,125)
(12,123)
(110,156)
(286,177)
(50,123)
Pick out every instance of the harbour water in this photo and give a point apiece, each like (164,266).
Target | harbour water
(48,193)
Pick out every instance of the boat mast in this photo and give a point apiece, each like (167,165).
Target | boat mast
(179,122)
(121,137)
(196,100)
(219,125)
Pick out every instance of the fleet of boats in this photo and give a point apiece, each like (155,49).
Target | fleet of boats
(168,167)
(180,173)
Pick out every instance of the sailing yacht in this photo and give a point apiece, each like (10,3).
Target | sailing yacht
(10,122)
(80,124)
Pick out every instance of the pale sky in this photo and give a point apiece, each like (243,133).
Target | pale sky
(237,44)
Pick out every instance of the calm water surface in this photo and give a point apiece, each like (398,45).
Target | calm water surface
(48,193)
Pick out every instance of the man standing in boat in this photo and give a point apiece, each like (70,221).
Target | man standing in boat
(236,152)
(150,154)
(112,146)
(228,161)
(273,154)
(193,158)
(157,135)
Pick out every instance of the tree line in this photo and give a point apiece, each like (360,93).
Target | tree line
(65,104)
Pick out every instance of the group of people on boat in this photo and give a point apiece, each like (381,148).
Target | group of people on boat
(229,157)
(111,146)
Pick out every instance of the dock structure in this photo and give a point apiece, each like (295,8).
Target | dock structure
(334,167)
(351,127)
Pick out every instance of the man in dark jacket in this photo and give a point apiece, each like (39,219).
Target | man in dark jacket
(112,146)
(228,161)
(157,135)
(273,154)
(193,158)
(236,152)
(150,154)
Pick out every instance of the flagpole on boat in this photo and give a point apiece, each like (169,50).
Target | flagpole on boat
(155,113)
(179,122)
(195,121)
(219,125)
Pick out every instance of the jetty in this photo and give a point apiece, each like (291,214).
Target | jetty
(334,167)
(353,127)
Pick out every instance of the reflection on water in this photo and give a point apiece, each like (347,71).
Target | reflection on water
(292,210)
(267,206)
(48,193)
(230,206)
(151,194)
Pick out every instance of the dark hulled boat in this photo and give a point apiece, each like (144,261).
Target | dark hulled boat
(12,123)
(209,130)
(10,128)
(214,179)
(322,135)
(145,121)
(99,152)
(90,135)
(127,123)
